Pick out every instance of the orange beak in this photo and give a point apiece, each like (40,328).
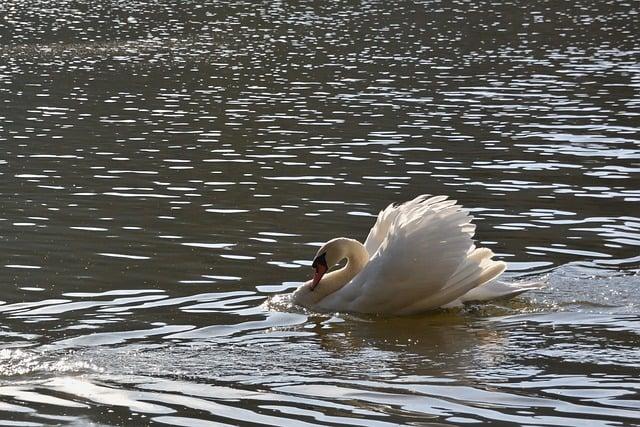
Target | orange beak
(321,269)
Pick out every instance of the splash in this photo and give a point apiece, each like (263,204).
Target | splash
(19,362)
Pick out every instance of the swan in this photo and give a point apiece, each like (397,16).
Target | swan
(418,256)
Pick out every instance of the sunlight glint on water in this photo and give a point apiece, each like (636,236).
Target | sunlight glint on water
(169,168)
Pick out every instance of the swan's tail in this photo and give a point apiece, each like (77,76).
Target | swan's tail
(498,289)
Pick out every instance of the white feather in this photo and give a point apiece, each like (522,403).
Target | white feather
(418,256)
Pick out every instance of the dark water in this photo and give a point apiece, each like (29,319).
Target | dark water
(169,167)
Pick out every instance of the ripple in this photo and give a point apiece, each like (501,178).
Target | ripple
(170,167)
(26,267)
(128,256)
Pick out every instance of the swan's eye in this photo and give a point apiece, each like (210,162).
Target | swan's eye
(320,260)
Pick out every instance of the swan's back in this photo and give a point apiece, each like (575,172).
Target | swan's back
(422,257)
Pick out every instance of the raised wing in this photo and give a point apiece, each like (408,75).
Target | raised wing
(388,215)
(427,259)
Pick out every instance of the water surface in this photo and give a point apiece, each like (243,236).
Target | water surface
(169,169)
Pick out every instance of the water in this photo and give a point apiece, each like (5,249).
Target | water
(168,170)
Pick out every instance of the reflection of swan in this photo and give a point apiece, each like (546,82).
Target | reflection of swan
(446,339)
(418,256)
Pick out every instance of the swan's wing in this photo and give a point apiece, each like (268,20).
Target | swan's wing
(426,260)
(388,215)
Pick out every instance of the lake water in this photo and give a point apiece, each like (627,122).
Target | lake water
(169,168)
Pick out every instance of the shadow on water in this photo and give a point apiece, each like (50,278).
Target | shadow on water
(478,364)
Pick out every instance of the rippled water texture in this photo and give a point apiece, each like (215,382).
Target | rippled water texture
(169,167)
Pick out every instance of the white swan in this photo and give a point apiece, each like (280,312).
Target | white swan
(417,257)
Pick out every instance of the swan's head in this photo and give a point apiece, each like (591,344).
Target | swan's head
(327,256)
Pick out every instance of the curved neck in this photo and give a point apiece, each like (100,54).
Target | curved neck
(357,257)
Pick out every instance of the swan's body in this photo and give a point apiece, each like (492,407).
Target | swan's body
(417,257)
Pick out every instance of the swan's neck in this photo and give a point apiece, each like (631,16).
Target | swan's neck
(357,257)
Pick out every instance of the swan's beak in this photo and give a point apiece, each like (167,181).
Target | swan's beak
(320,270)
(320,266)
